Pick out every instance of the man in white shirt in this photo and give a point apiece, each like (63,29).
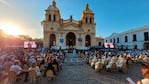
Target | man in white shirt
(19,71)
(16,67)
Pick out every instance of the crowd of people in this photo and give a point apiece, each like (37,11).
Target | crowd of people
(118,60)
(16,59)
(22,61)
(115,56)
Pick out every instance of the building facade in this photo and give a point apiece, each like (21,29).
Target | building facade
(65,33)
(132,39)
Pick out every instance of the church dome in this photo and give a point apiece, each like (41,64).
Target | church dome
(53,7)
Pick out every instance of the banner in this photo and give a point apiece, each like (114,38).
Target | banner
(61,41)
(79,39)
(108,45)
(30,44)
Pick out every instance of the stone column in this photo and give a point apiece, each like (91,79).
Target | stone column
(93,40)
(46,40)
(77,43)
(64,35)
(83,40)
(57,39)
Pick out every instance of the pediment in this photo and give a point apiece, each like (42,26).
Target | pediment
(70,27)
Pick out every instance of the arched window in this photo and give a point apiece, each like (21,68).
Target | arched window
(90,20)
(54,17)
(86,19)
(49,17)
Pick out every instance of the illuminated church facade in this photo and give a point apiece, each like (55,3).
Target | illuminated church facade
(65,33)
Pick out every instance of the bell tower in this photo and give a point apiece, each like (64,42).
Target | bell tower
(88,26)
(52,13)
(51,25)
(87,16)
(87,19)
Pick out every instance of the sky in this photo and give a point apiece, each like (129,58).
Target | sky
(111,16)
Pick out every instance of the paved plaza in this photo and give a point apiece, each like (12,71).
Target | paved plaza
(76,71)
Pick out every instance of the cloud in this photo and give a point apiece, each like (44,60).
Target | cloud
(6,3)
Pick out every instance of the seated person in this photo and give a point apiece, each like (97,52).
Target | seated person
(19,71)
(120,62)
(56,63)
(36,68)
(60,60)
(50,67)
(94,58)
(113,60)
(146,60)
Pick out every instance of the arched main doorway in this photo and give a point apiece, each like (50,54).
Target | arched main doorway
(70,39)
(87,40)
(52,40)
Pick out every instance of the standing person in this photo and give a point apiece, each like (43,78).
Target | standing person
(74,52)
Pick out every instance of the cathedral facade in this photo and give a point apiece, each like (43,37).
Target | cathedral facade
(65,33)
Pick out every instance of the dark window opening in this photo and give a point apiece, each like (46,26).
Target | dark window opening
(134,37)
(49,17)
(99,43)
(126,39)
(86,19)
(113,40)
(146,37)
(54,18)
(117,40)
(90,20)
